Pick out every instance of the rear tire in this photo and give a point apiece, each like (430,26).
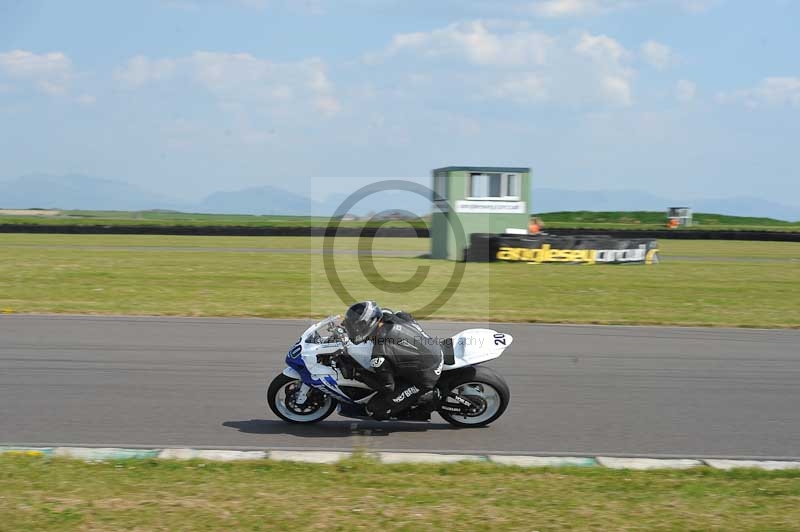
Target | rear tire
(279,401)
(483,384)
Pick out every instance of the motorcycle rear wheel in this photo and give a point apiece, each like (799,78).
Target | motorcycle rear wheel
(484,388)
(280,400)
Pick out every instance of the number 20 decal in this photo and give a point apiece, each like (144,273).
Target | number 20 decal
(499,339)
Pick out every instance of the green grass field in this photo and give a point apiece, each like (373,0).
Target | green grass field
(62,495)
(552,220)
(197,276)
(656,220)
(658,217)
(160,218)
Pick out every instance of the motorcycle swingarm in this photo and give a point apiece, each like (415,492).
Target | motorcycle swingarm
(463,407)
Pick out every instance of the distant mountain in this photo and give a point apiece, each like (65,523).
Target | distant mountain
(390,200)
(91,193)
(258,200)
(79,192)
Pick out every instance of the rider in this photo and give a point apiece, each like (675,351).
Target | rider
(400,349)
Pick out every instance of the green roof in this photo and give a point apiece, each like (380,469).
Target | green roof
(492,169)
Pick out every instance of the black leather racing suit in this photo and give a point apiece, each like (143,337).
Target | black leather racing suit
(407,364)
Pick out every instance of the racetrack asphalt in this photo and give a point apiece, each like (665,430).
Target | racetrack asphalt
(586,390)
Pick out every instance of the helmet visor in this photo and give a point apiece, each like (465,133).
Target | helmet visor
(358,331)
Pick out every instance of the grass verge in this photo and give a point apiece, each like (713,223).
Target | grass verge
(163,219)
(657,219)
(112,275)
(359,494)
(562,220)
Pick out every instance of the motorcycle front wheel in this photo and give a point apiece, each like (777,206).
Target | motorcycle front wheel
(281,398)
(487,392)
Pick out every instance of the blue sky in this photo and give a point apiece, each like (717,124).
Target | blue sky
(680,98)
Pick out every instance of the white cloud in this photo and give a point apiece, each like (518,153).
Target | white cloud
(225,72)
(617,90)
(141,70)
(234,76)
(572,8)
(539,8)
(508,61)
(309,7)
(772,91)
(601,48)
(475,41)
(657,55)
(583,8)
(685,90)
(26,65)
(524,88)
(49,73)
(240,79)
(697,6)
(611,72)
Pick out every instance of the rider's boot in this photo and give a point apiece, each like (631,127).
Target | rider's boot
(378,407)
(431,397)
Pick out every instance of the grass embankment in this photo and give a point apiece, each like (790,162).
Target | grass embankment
(161,218)
(62,495)
(553,220)
(657,219)
(192,277)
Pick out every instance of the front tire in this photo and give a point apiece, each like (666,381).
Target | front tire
(480,385)
(280,398)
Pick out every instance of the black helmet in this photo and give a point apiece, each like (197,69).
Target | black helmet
(361,320)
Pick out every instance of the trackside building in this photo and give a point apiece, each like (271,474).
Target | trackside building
(486,199)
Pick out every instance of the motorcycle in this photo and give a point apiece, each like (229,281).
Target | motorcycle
(323,363)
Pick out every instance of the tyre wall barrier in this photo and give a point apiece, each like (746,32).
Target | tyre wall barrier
(209,230)
(402,232)
(685,234)
(564,249)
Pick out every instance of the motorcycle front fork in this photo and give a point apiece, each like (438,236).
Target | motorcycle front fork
(302,394)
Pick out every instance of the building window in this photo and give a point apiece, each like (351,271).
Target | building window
(440,185)
(479,185)
(511,186)
(494,186)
